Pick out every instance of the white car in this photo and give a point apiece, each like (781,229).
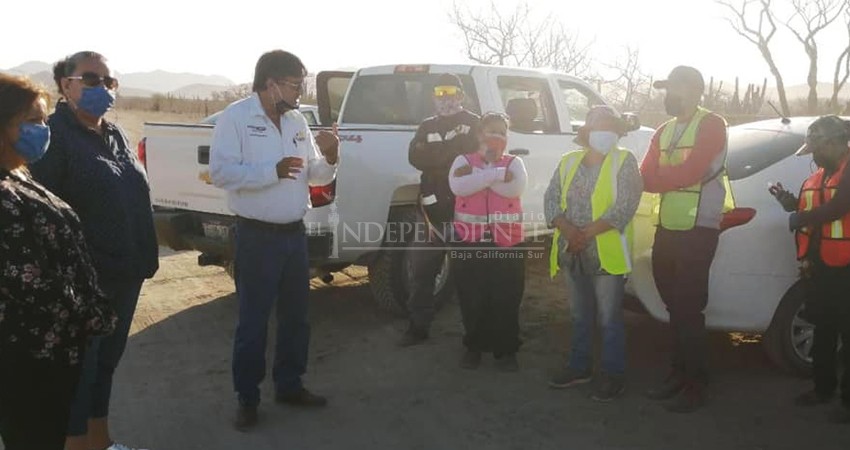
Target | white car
(754,278)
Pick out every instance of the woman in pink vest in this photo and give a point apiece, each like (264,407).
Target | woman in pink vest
(490,272)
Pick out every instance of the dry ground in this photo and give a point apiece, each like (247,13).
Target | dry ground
(173,390)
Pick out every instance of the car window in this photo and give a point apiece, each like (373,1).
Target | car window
(311,117)
(528,102)
(753,150)
(399,99)
(578,101)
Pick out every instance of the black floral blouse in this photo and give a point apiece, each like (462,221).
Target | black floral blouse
(49,300)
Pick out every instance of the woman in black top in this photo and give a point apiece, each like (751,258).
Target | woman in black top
(49,300)
(89,165)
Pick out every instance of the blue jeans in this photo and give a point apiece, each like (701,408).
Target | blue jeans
(271,269)
(94,390)
(591,296)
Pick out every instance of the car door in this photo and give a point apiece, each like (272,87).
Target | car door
(535,134)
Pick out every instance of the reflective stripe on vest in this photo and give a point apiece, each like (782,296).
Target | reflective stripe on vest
(486,216)
(613,247)
(679,209)
(834,236)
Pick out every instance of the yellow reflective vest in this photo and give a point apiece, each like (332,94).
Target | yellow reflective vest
(679,208)
(613,246)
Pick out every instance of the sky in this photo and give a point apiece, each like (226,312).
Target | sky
(226,38)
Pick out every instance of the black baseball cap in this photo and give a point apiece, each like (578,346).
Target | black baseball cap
(685,76)
(449,79)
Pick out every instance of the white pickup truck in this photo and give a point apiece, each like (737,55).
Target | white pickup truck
(378,110)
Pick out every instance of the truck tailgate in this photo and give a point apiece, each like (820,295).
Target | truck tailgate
(178,168)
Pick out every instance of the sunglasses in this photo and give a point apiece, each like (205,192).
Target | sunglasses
(445,91)
(296,86)
(92,79)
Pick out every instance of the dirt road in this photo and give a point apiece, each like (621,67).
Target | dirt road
(173,390)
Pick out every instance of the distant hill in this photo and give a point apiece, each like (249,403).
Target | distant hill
(163,82)
(139,84)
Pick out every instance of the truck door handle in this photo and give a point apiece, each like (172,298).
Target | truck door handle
(519,152)
(204,154)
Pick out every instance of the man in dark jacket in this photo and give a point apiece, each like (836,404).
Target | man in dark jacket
(438,141)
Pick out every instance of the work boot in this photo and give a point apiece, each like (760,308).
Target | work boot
(470,360)
(302,398)
(246,418)
(669,388)
(812,398)
(413,336)
(608,388)
(690,398)
(507,363)
(569,377)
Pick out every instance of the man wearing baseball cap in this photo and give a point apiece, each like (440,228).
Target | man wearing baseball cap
(438,141)
(821,221)
(686,164)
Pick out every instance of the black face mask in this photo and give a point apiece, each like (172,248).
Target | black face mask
(673,105)
(827,159)
(282,106)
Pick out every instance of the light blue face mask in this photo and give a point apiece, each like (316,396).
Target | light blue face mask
(33,140)
(603,141)
(96,101)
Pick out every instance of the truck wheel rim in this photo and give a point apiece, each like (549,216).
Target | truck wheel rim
(802,336)
(439,281)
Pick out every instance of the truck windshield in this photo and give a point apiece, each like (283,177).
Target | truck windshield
(398,99)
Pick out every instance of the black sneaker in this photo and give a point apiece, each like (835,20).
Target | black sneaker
(246,418)
(840,415)
(812,398)
(569,377)
(302,398)
(669,388)
(608,388)
(507,363)
(413,336)
(688,400)
(470,360)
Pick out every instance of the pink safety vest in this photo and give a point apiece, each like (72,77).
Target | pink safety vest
(486,216)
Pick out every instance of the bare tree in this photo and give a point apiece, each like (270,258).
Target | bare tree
(759,34)
(842,65)
(812,16)
(519,39)
(629,88)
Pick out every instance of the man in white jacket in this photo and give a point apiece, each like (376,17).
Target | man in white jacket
(264,155)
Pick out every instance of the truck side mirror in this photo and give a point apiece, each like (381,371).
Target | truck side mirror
(632,121)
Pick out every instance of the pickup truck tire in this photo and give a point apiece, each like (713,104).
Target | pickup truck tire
(390,272)
(788,340)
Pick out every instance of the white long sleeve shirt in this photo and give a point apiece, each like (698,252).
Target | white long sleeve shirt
(488,177)
(244,154)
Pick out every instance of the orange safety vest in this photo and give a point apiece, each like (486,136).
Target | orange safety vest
(486,216)
(817,190)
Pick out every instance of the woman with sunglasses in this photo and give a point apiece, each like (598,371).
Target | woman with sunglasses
(49,301)
(490,272)
(90,166)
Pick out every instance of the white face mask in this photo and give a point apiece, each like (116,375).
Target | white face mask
(603,141)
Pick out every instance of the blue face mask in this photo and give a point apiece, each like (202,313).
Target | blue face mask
(603,141)
(96,101)
(33,139)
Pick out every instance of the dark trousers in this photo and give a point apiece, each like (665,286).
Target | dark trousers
(426,258)
(490,283)
(94,391)
(35,402)
(271,270)
(828,307)
(681,263)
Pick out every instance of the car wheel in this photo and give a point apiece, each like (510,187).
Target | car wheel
(789,339)
(391,274)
